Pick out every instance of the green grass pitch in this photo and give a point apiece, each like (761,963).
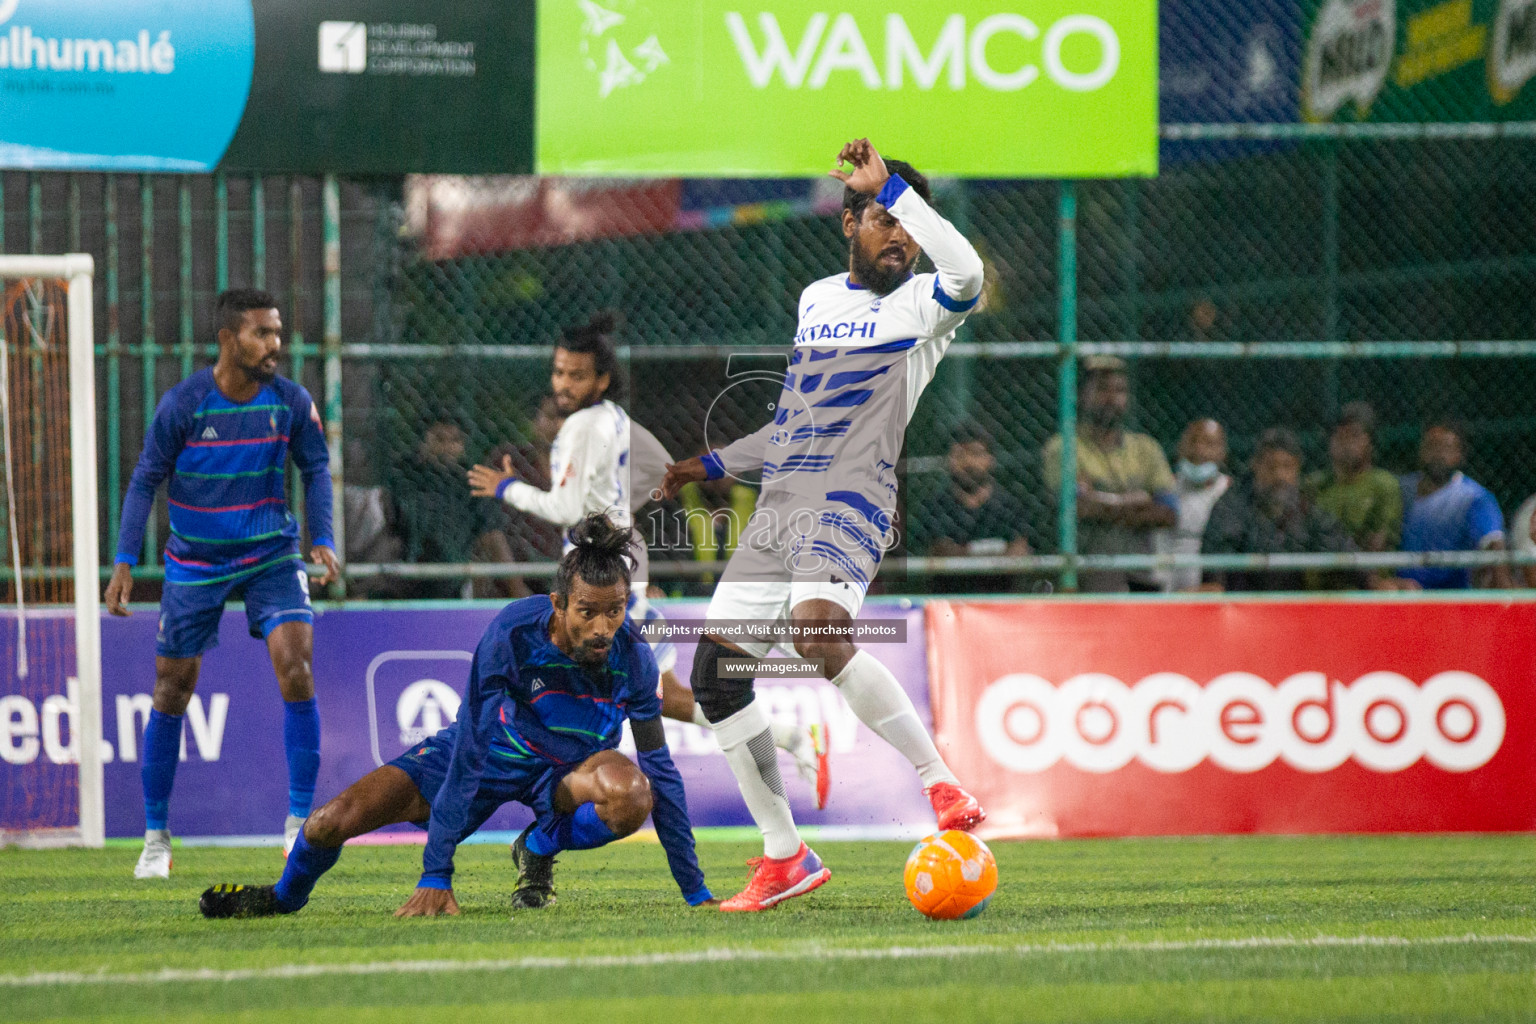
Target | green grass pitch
(1380,928)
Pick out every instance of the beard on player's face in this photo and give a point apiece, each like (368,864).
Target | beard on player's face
(259,367)
(883,270)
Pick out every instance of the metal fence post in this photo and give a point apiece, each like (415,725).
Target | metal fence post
(333,409)
(1066,377)
(149,349)
(221,231)
(184,218)
(114,364)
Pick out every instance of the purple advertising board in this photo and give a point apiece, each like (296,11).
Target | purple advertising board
(384,678)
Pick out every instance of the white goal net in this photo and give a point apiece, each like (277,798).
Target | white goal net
(50,629)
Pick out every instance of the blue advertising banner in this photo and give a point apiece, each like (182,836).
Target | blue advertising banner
(152,85)
(384,679)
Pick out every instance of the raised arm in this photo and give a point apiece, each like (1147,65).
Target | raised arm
(957,285)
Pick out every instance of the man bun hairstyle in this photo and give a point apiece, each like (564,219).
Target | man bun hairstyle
(595,337)
(855,201)
(232,305)
(601,556)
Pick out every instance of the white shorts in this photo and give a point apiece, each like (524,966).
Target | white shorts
(791,551)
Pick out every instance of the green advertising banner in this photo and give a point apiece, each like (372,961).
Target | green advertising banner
(1419,60)
(975,88)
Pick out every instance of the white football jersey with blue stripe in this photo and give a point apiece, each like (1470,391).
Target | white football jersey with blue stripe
(860,364)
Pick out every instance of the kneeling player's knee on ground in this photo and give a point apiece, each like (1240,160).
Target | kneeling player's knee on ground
(719,697)
(625,798)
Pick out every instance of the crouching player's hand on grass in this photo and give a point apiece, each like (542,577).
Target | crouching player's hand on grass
(429,903)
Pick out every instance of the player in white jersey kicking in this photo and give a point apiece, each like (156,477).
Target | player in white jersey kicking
(603,461)
(868,342)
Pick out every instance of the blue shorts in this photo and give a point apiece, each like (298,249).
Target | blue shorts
(190,614)
(530,783)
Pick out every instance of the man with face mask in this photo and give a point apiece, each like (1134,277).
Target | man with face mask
(1125,490)
(1201,483)
(971,516)
(1268,515)
(1445,511)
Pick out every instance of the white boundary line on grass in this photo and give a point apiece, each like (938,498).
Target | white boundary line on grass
(716,956)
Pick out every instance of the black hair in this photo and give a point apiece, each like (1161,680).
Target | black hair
(1455,424)
(855,201)
(969,431)
(595,337)
(1094,367)
(601,556)
(1358,414)
(1277,439)
(232,305)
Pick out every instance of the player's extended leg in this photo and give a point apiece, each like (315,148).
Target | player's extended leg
(788,867)
(175,679)
(806,744)
(878,699)
(291,645)
(606,798)
(385,796)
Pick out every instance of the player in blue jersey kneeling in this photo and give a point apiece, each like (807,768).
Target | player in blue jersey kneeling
(552,681)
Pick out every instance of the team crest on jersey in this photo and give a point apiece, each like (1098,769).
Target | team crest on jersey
(209,434)
(272,421)
(874,307)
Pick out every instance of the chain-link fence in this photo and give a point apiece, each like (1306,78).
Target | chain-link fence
(1258,281)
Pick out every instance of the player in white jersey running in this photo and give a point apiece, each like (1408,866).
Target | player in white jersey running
(867,345)
(602,461)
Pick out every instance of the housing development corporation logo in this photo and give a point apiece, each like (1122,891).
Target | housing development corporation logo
(1240,722)
(619,44)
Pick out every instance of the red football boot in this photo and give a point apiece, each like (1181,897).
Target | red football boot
(774,881)
(954,807)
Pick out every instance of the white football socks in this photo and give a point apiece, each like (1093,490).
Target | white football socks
(747,741)
(878,699)
(786,735)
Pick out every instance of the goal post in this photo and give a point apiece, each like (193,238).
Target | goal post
(40,291)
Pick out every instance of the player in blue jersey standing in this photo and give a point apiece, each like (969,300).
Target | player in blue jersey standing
(222,437)
(551,683)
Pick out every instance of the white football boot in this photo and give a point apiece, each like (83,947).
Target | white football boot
(155,861)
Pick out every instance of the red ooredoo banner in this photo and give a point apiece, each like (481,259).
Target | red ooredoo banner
(1091,719)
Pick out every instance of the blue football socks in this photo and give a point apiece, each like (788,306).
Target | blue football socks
(583,830)
(162,747)
(301,740)
(305,865)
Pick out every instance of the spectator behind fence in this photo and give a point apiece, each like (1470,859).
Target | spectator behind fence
(440,524)
(1125,490)
(369,514)
(1200,484)
(1445,511)
(1269,514)
(1366,499)
(972,515)
(1522,536)
(714,512)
